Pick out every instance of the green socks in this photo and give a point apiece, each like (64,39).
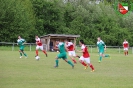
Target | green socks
(25,54)
(100,58)
(20,54)
(69,62)
(56,61)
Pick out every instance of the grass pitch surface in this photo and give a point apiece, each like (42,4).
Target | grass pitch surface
(116,72)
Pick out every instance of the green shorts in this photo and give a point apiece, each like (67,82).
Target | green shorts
(21,47)
(101,51)
(62,55)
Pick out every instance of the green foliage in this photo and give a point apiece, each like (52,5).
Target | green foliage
(39,17)
(16,18)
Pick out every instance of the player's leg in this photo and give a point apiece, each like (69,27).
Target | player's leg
(20,53)
(22,49)
(56,61)
(71,54)
(37,47)
(88,62)
(68,61)
(100,56)
(24,53)
(81,60)
(106,55)
(126,51)
(41,47)
(64,57)
(75,55)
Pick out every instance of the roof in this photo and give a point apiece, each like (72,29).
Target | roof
(61,35)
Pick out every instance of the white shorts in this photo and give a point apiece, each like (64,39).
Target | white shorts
(71,53)
(39,47)
(125,48)
(87,60)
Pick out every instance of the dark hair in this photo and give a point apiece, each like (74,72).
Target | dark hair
(82,41)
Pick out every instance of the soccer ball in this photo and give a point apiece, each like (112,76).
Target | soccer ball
(37,57)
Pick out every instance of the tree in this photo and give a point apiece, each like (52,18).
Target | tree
(16,18)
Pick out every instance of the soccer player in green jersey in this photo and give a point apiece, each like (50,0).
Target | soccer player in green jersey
(101,47)
(21,42)
(62,49)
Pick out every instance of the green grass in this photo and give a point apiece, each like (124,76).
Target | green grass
(116,72)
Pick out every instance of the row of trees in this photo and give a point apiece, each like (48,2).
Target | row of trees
(39,17)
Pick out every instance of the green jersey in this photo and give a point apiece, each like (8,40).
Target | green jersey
(101,45)
(20,42)
(61,47)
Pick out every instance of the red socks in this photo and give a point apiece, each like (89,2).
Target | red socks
(91,66)
(42,51)
(74,61)
(83,63)
(36,52)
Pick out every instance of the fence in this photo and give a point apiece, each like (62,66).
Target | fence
(110,49)
(14,46)
(32,46)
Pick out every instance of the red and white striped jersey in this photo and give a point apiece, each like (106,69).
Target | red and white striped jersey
(38,41)
(125,44)
(85,53)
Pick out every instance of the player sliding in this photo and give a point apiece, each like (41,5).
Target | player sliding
(62,49)
(125,46)
(101,49)
(21,42)
(85,57)
(71,50)
(39,46)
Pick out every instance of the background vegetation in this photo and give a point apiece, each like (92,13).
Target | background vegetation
(39,17)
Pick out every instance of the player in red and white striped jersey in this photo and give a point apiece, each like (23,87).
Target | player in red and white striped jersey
(39,46)
(125,46)
(85,57)
(71,50)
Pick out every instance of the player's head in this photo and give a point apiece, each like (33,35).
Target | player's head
(19,37)
(98,39)
(36,36)
(125,40)
(57,42)
(81,42)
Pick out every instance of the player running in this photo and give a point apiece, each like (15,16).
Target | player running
(62,49)
(101,47)
(39,46)
(125,46)
(71,50)
(85,57)
(21,42)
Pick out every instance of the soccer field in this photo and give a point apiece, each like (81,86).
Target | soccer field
(116,72)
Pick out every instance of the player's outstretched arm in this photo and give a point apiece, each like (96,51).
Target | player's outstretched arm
(80,51)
